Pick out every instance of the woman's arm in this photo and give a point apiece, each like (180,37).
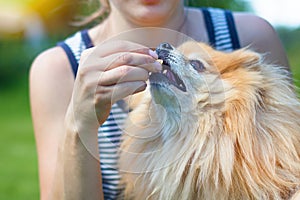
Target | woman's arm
(63,171)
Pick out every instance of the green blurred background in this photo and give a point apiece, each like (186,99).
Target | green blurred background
(26,28)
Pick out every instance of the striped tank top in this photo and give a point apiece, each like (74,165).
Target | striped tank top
(222,36)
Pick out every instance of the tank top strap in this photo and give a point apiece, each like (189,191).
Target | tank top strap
(74,46)
(221,29)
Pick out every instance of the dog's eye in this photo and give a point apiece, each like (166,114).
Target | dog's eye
(197,65)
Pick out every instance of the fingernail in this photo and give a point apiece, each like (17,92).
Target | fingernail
(153,54)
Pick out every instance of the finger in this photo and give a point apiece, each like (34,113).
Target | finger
(117,46)
(123,74)
(127,58)
(111,94)
(86,54)
(140,56)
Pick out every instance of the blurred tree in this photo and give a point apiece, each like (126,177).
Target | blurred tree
(56,14)
(291,42)
(236,5)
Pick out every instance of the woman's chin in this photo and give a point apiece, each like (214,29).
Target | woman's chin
(150,17)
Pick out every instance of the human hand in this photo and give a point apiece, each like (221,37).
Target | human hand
(107,73)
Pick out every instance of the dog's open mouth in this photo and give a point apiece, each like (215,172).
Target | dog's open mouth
(167,75)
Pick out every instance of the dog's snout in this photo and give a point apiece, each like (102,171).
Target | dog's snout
(166,45)
(163,50)
(162,54)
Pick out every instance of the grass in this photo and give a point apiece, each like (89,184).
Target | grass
(18,159)
(291,42)
(294,59)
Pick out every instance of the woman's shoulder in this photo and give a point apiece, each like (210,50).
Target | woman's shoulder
(258,34)
(52,61)
(51,80)
(51,83)
(252,27)
(254,30)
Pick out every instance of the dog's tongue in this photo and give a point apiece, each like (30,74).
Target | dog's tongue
(170,76)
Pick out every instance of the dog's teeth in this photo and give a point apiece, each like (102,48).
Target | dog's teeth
(165,71)
(181,85)
(150,73)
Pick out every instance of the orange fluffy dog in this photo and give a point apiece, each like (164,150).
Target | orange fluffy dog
(213,125)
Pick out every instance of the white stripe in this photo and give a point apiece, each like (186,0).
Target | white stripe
(111,174)
(220,37)
(109,156)
(221,29)
(227,47)
(107,145)
(107,162)
(224,41)
(111,140)
(108,128)
(108,151)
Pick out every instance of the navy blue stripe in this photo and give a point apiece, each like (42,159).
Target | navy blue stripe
(233,32)
(86,39)
(116,111)
(114,144)
(115,118)
(117,189)
(104,167)
(71,57)
(112,179)
(112,130)
(223,42)
(110,125)
(110,194)
(109,157)
(209,26)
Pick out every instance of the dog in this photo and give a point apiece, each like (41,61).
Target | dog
(213,125)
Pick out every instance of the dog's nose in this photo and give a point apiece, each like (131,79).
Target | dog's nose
(166,45)
(163,50)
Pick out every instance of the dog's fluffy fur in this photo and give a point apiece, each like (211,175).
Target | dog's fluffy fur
(234,133)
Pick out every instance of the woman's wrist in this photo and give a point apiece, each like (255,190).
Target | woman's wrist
(79,122)
(80,131)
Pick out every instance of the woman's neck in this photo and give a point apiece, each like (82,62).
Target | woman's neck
(116,24)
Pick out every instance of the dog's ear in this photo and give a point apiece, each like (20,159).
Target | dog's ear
(226,62)
(246,58)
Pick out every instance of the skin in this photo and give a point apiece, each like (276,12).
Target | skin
(63,109)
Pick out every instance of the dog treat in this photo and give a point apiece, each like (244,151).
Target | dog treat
(160,61)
